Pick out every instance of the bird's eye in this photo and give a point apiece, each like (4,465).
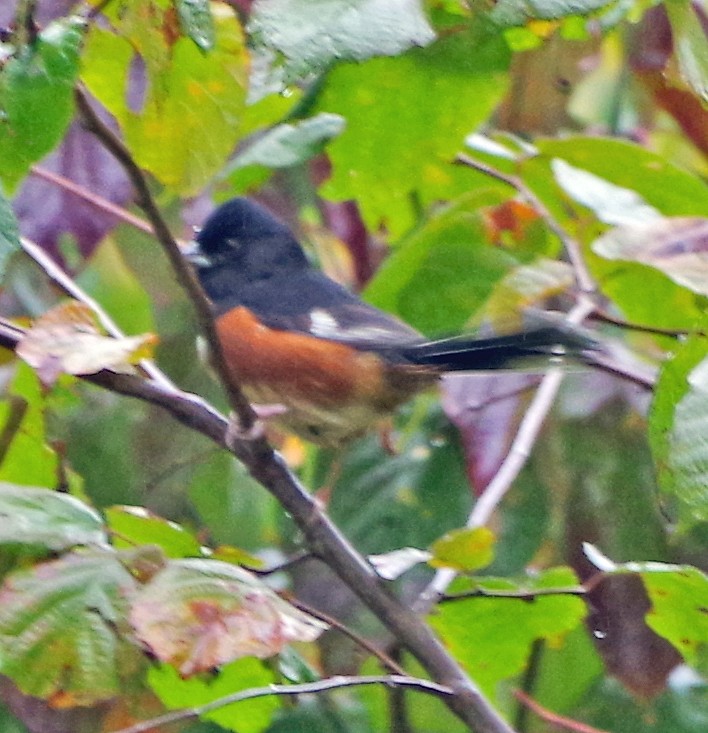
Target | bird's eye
(233,242)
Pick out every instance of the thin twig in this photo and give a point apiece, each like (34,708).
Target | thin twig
(675,333)
(184,273)
(529,595)
(69,286)
(518,595)
(515,460)
(279,567)
(559,721)
(331,683)
(583,278)
(92,198)
(385,660)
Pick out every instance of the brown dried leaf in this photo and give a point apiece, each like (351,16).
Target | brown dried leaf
(67,340)
(200,614)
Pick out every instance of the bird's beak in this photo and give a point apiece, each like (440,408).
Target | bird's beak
(192,253)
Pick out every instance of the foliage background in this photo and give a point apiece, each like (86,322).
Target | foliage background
(345,118)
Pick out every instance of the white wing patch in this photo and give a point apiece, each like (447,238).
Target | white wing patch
(325,326)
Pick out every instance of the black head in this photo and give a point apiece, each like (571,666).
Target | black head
(241,245)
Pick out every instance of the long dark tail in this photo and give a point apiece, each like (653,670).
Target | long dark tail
(525,349)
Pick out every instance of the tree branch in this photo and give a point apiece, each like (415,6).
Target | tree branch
(331,683)
(385,660)
(322,536)
(94,199)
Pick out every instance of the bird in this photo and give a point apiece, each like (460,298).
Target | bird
(335,366)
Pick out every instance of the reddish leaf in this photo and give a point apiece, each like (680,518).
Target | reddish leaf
(200,614)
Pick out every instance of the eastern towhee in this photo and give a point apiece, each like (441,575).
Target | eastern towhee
(293,337)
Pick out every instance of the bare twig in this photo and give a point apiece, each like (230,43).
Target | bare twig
(519,595)
(603,317)
(530,595)
(559,721)
(185,275)
(92,198)
(307,688)
(279,567)
(69,286)
(385,660)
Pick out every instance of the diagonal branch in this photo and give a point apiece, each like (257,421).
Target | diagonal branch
(182,270)
(266,466)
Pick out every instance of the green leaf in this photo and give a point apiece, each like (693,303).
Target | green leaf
(37,97)
(663,185)
(689,42)
(27,458)
(290,144)
(189,121)
(9,234)
(197,22)
(677,428)
(406,118)
(200,614)
(607,472)
(679,613)
(492,637)
(445,272)
(311,34)
(464,549)
(612,204)
(35,516)
(58,629)
(249,716)
(134,525)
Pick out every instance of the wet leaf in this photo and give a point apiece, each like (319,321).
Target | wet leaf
(36,97)
(612,204)
(311,34)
